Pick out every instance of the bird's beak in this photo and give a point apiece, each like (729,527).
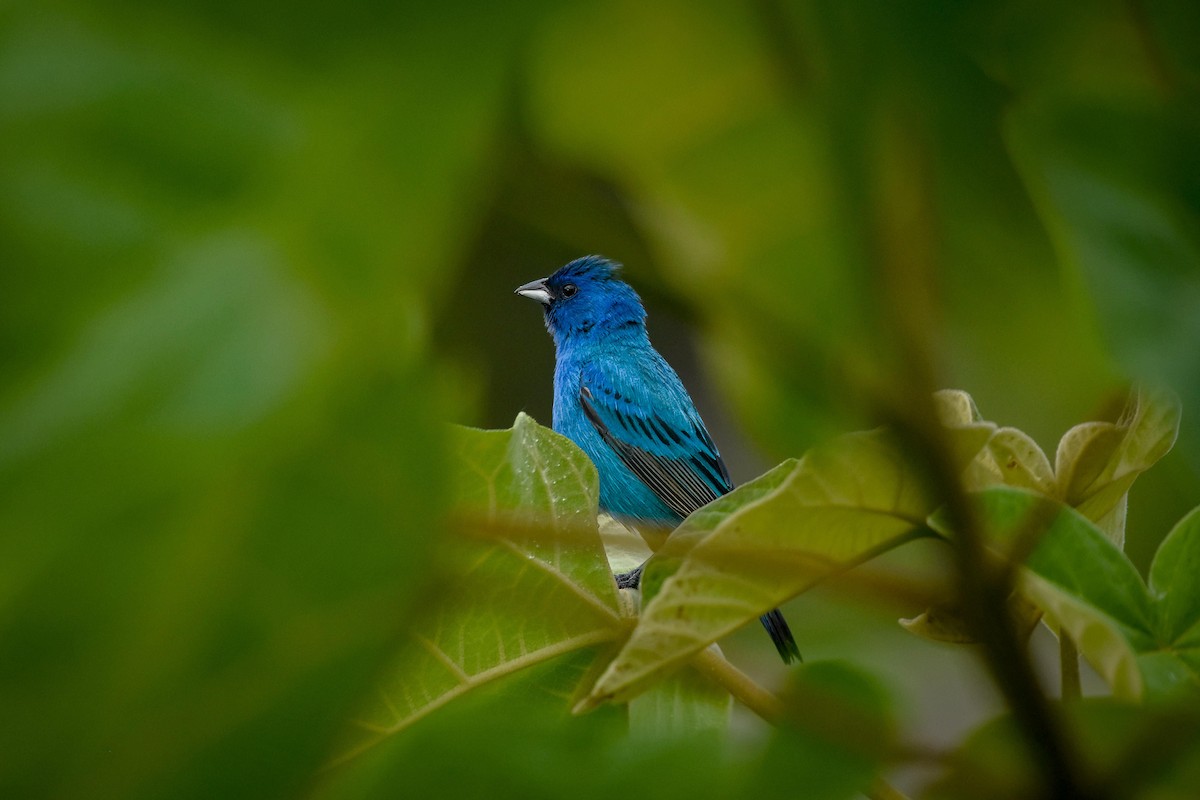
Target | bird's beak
(535,290)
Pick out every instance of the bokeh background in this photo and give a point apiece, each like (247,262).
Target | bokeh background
(251,254)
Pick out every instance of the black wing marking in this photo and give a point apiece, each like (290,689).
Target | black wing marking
(694,479)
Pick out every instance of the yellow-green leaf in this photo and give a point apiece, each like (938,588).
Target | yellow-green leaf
(527,576)
(684,704)
(770,540)
(1097,462)
(946,623)
(1010,458)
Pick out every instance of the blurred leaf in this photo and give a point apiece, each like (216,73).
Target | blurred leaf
(528,580)
(947,623)
(219,472)
(1130,751)
(837,731)
(940,624)
(770,540)
(1114,179)
(684,704)
(219,340)
(174,601)
(721,173)
(513,737)
(516,738)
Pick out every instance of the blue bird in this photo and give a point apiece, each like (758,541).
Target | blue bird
(621,402)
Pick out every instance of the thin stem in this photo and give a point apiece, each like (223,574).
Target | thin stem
(711,664)
(1068,656)
(767,705)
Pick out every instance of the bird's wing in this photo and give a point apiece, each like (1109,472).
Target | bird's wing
(667,448)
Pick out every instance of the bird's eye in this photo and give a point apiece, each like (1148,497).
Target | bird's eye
(569,290)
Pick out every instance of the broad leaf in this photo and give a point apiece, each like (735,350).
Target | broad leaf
(1141,641)
(770,540)
(528,575)
(836,732)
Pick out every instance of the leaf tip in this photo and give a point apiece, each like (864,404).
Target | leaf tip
(956,407)
(523,420)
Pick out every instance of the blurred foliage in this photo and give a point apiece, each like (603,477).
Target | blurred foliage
(251,253)
(1124,748)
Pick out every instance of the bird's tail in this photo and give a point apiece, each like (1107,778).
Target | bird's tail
(781,635)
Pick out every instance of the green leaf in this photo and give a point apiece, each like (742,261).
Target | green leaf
(175,601)
(836,732)
(1080,581)
(1130,750)
(220,468)
(684,704)
(1143,642)
(940,624)
(528,578)
(499,741)
(1175,586)
(1097,636)
(770,540)
(1010,458)
(1107,174)
(1097,462)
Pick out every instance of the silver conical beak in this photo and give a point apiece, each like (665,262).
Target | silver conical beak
(535,290)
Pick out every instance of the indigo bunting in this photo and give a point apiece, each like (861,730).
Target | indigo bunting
(623,405)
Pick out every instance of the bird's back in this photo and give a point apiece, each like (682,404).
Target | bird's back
(627,409)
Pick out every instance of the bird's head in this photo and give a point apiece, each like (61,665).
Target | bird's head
(586,298)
